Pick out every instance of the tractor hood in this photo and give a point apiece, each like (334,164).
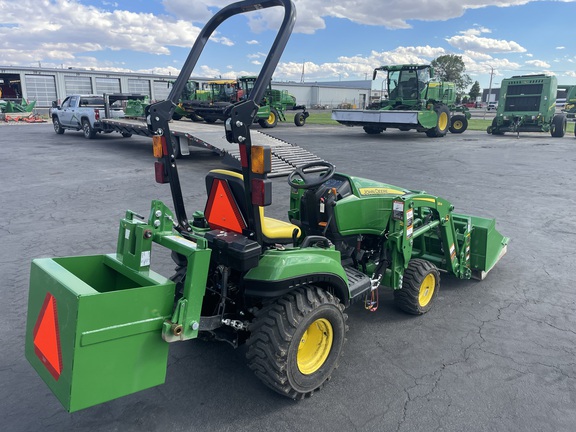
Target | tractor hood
(365,207)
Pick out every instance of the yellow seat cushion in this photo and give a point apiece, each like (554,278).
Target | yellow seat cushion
(275,228)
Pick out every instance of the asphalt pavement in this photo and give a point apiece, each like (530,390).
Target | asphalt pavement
(491,355)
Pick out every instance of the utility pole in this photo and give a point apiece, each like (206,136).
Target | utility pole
(489,91)
(302,76)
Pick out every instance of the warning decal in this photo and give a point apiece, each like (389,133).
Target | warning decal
(47,337)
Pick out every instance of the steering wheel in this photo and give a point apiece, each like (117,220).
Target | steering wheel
(311,179)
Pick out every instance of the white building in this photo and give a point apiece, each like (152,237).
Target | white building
(45,85)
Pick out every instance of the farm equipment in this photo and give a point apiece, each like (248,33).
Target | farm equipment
(11,107)
(570,106)
(408,99)
(274,104)
(528,104)
(99,326)
(224,93)
(190,94)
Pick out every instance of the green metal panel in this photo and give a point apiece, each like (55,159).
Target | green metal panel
(109,319)
(276,265)
(487,245)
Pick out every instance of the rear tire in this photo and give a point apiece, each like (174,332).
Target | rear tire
(296,341)
(372,131)
(126,134)
(559,125)
(442,124)
(419,288)
(458,124)
(89,132)
(300,119)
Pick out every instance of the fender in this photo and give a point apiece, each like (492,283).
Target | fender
(280,271)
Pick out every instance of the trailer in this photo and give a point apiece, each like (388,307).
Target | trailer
(186,134)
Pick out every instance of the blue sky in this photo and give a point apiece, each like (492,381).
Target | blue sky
(334,40)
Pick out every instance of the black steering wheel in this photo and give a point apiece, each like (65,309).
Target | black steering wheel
(313,178)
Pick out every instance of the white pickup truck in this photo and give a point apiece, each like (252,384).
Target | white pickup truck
(85,113)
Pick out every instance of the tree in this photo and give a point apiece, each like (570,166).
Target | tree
(451,67)
(474,91)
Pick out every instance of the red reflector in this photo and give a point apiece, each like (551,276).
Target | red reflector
(47,337)
(243,155)
(222,211)
(159,173)
(261,192)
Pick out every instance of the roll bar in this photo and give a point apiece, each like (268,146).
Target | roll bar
(241,114)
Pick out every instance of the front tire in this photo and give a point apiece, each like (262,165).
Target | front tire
(443,123)
(419,288)
(559,125)
(271,121)
(57,126)
(296,341)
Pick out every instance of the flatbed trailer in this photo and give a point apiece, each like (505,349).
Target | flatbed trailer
(185,134)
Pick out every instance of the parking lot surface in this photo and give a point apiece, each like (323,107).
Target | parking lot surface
(495,355)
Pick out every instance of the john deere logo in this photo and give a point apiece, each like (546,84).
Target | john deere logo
(380,191)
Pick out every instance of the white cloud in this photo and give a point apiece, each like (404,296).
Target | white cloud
(61,30)
(560,47)
(469,41)
(538,63)
(252,42)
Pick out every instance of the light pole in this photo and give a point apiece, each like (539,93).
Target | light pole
(489,91)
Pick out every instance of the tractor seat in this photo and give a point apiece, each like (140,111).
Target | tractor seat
(229,213)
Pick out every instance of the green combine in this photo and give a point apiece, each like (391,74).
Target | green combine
(408,98)
(100,326)
(527,103)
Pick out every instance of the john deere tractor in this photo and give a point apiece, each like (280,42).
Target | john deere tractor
(274,104)
(407,97)
(99,327)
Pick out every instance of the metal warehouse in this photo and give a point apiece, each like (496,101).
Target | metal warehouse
(45,85)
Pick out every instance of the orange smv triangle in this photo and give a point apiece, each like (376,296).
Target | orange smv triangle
(222,211)
(47,337)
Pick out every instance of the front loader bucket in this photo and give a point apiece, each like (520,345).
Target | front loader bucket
(487,246)
(94,328)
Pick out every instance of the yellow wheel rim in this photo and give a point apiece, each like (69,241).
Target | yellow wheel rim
(427,290)
(271,118)
(315,346)
(443,121)
(457,125)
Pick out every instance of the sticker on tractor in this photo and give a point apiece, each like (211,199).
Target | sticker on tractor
(452,252)
(380,191)
(398,210)
(46,337)
(145,259)
(409,231)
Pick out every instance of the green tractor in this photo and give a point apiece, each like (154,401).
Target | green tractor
(527,103)
(99,327)
(274,104)
(191,93)
(406,97)
(223,93)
